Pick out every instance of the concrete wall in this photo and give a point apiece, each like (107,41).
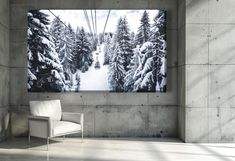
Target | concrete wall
(209,67)
(106,114)
(4,68)
(181,69)
(200,76)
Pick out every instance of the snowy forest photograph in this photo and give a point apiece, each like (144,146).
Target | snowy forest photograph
(96,50)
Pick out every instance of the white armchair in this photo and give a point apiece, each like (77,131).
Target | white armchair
(47,120)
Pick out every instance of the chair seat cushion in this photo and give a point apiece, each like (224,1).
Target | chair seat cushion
(65,127)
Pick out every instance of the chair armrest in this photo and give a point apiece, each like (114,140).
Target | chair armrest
(40,126)
(73,117)
(42,118)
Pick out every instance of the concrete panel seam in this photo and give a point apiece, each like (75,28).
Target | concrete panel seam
(4,107)
(209,23)
(4,26)
(4,66)
(25,106)
(17,67)
(182,25)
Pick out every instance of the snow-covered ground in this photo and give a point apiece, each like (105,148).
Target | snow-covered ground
(95,79)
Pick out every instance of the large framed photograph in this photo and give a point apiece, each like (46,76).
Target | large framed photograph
(97,50)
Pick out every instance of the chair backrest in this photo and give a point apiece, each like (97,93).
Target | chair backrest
(49,108)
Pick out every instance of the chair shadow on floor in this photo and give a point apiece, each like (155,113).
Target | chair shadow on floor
(17,143)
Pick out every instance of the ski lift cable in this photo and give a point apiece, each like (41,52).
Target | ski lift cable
(58,19)
(95,23)
(89,24)
(86,18)
(106,21)
(88,21)
(92,22)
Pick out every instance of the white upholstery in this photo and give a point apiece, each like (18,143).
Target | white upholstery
(64,127)
(47,120)
(50,108)
(41,132)
(72,117)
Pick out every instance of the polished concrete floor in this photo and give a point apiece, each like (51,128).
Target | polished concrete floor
(108,149)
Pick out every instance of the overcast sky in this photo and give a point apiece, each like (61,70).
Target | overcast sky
(77,18)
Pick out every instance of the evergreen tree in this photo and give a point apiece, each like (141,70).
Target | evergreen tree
(64,40)
(130,78)
(133,41)
(151,72)
(107,49)
(67,50)
(31,76)
(145,75)
(144,29)
(124,41)
(44,69)
(158,38)
(56,29)
(65,45)
(113,46)
(82,51)
(117,71)
(101,38)
(94,43)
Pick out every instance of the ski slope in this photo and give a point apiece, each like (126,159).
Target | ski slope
(95,79)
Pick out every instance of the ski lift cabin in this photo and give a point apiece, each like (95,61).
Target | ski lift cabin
(97,65)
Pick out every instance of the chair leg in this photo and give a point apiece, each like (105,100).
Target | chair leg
(82,136)
(29,140)
(47,143)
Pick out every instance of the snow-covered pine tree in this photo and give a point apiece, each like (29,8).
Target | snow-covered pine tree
(124,41)
(107,49)
(31,76)
(64,40)
(67,50)
(144,29)
(113,46)
(82,51)
(158,38)
(101,38)
(56,29)
(77,55)
(94,43)
(130,78)
(145,74)
(116,71)
(151,73)
(66,45)
(45,73)
(133,41)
